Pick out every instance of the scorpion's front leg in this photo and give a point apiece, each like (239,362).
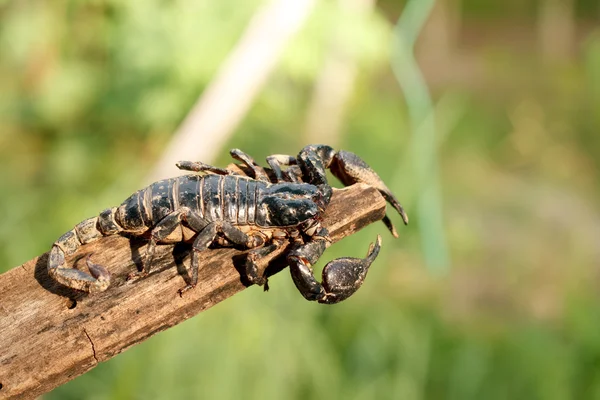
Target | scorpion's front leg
(198,166)
(341,277)
(276,161)
(291,174)
(258,171)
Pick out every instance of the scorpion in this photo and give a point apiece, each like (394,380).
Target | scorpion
(216,206)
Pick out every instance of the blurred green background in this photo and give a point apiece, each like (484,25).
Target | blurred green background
(489,137)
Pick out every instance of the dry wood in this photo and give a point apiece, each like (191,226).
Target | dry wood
(50,334)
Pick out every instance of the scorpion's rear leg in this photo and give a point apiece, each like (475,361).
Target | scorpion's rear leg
(164,228)
(341,277)
(197,166)
(208,235)
(349,169)
(259,172)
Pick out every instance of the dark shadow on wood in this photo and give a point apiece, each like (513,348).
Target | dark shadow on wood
(182,255)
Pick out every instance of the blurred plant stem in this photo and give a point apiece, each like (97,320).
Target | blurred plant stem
(229,96)
(423,142)
(423,160)
(335,83)
(556,29)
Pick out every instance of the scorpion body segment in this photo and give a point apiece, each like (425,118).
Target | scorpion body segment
(212,197)
(225,208)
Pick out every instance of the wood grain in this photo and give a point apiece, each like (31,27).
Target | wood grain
(50,334)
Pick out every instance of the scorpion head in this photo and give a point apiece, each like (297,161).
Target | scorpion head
(293,204)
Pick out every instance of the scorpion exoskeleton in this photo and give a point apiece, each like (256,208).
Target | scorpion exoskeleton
(225,207)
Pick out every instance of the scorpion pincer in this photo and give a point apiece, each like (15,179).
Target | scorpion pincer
(224,207)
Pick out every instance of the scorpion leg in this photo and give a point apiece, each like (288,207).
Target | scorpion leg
(276,161)
(349,169)
(208,235)
(240,238)
(259,172)
(252,266)
(164,228)
(341,277)
(203,240)
(292,174)
(201,167)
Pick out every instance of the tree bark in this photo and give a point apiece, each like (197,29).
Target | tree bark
(50,334)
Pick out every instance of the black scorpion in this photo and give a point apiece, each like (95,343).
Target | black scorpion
(224,207)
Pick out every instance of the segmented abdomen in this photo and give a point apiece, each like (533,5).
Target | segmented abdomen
(214,197)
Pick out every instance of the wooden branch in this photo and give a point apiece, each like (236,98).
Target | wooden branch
(50,334)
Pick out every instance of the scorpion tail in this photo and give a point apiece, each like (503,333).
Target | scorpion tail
(74,278)
(85,232)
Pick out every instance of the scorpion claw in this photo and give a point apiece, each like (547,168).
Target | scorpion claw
(386,220)
(343,276)
(350,168)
